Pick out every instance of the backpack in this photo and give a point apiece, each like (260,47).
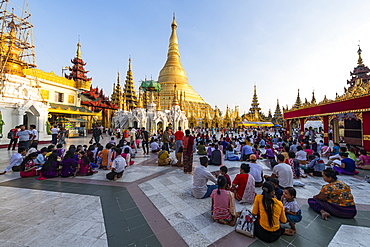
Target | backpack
(11,134)
(96,132)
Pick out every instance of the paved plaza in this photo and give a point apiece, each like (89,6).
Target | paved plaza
(152,206)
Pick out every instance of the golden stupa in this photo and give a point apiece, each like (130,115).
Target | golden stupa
(173,74)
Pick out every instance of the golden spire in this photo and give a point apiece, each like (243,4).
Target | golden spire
(227,114)
(298,102)
(140,100)
(117,94)
(78,53)
(360,62)
(175,100)
(129,91)
(313,101)
(158,103)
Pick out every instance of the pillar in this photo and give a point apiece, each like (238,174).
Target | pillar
(366,130)
(288,130)
(325,122)
(301,123)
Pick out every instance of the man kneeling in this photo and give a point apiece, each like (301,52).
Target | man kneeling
(118,166)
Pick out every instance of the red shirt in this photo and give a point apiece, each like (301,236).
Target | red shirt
(179,135)
(241,182)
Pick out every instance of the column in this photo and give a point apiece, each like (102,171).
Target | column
(366,130)
(325,122)
(288,131)
(301,123)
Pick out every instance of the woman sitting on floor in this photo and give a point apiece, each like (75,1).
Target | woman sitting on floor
(347,167)
(243,185)
(126,154)
(335,198)
(69,164)
(230,155)
(223,203)
(28,166)
(364,161)
(270,212)
(201,149)
(50,167)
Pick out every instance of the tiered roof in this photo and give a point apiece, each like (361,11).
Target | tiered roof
(359,72)
(129,91)
(96,99)
(78,73)
(117,95)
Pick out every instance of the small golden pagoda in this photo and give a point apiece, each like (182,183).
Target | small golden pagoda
(173,73)
(117,95)
(129,91)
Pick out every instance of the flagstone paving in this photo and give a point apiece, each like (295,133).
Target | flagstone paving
(152,206)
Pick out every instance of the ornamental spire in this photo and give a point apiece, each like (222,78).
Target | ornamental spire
(360,62)
(78,53)
(277,113)
(129,91)
(298,102)
(313,100)
(140,100)
(255,105)
(117,95)
(175,100)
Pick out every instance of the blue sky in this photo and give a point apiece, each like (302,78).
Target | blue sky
(226,46)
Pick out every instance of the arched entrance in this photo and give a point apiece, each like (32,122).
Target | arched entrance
(135,124)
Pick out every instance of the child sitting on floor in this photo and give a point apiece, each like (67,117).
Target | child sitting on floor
(278,191)
(292,211)
(223,172)
(223,204)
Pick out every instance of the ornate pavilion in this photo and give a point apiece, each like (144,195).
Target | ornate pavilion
(348,115)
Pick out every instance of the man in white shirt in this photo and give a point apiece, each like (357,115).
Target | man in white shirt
(15,160)
(118,166)
(200,189)
(283,172)
(34,141)
(256,170)
(154,146)
(54,134)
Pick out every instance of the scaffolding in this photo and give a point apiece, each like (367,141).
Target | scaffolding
(16,36)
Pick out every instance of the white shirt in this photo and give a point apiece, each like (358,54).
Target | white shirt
(154,146)
(119,164)
(284,173)
(36,134)
(200,178)
(15,160)
(256,171)
(301,155)
(54,131)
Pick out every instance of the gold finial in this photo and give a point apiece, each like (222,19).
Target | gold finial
(313,101)
(78,53)
(360,62)
(174,24)
(129,64)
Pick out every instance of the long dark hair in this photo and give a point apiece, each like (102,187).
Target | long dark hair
(51,162)
(69,155)
(22,166)
(221,182)
(268,202)
(85,159)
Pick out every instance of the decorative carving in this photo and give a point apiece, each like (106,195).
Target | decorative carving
(366,137)
(45,94)
(325,134)
(71,99)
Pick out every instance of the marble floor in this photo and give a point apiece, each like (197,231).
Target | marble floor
(151,206)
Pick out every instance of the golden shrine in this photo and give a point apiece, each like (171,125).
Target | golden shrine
(173,74)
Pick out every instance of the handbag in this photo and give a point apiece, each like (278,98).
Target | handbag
(245,223)
(91,141)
